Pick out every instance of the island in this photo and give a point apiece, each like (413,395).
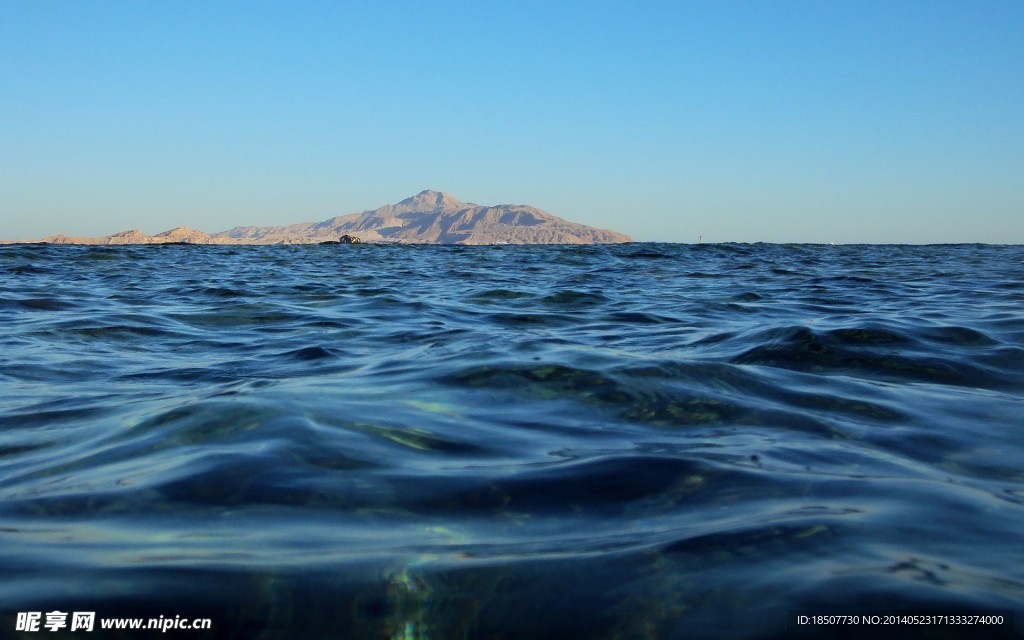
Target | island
(429,217)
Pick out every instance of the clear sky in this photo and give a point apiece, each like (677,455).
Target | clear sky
(771,120)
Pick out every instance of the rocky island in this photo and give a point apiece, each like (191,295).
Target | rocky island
(430,217)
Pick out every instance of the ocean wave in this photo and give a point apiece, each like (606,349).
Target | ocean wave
(645,440)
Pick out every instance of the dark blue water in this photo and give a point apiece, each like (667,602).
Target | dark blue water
(633,441)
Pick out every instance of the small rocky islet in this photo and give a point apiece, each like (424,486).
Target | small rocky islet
(345,239)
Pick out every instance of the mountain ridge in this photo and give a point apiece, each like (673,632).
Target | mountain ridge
(430,217)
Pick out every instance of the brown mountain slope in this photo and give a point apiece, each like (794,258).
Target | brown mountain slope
(437,218)
(429,217)
(178,234)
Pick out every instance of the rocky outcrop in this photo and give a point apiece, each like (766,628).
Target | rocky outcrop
(345,239)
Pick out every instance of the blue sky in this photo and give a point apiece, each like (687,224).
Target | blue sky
(766,121)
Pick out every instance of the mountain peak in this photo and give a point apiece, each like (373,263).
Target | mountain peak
(429,200)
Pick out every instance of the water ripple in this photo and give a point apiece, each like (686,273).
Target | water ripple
(644,440)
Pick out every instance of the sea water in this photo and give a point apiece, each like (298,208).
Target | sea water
(631,441)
